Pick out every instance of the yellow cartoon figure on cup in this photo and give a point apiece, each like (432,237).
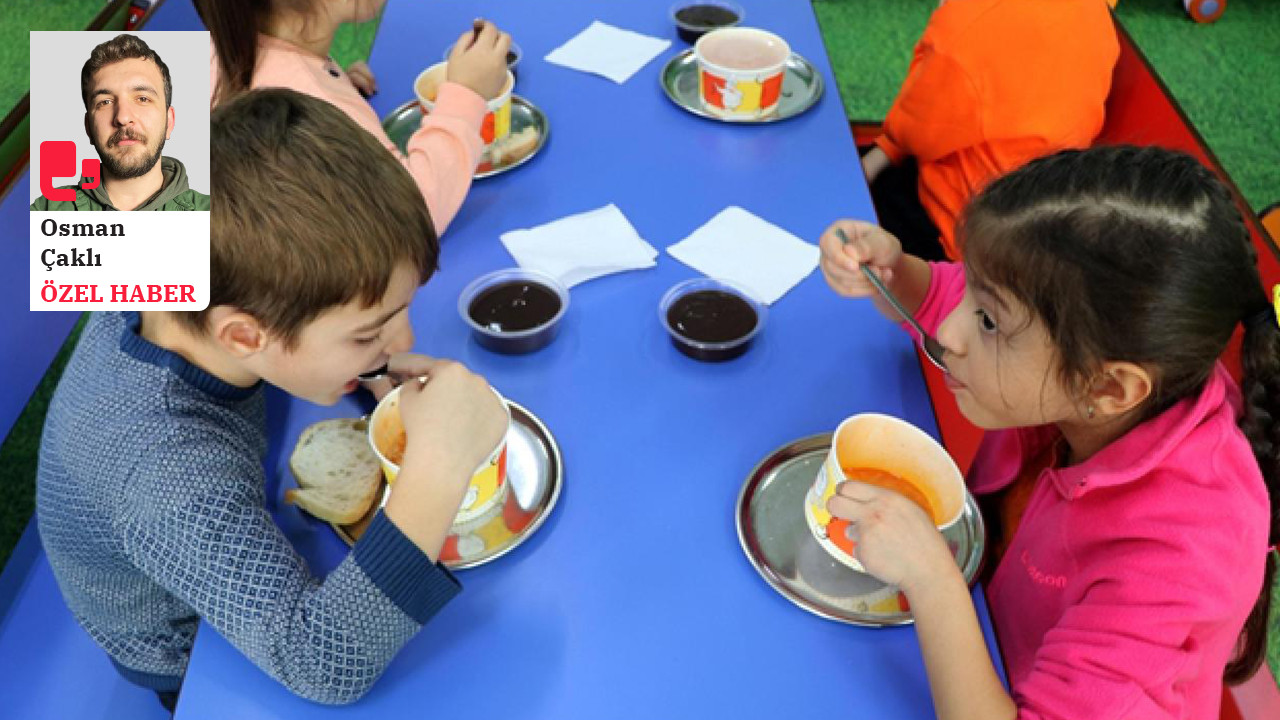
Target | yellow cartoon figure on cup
(488,485)
(891,453)
(740,72)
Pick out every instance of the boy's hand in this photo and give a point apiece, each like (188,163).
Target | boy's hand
(362,77)
(894,539)
(453,421)
(868,244)
(479,60)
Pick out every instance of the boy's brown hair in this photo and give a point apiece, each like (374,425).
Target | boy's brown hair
(121,47)
(309,212)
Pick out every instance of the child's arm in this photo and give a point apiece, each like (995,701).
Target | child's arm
(906,276)
(962,678)
(453,422)
(205,536)
(443,154)
(899,544)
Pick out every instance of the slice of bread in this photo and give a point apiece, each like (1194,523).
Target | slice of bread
(513,147)
(338,474)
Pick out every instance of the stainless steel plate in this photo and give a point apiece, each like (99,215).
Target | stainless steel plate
(773,533)
(535,473)
(801,87)
(400,124)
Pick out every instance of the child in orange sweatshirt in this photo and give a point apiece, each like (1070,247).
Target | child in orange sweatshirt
(992,85)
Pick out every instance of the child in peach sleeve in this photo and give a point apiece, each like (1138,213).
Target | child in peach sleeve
(287,45)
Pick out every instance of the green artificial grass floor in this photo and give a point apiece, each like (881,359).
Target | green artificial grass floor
(1226,76)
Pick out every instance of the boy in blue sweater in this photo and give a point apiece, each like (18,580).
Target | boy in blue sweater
(150,494)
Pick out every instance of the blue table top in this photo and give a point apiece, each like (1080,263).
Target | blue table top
(634,599)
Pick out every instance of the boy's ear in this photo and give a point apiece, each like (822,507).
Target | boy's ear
(237,332)
(1121,387)
(172,122)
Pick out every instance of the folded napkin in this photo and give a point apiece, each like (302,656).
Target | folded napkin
(743,249)
(609,51)
(580,247)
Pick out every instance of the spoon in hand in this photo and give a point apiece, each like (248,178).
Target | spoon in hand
(932,348)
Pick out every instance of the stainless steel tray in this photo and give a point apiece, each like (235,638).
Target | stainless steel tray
(400,124)
(775,538)
(801,87)
(535,475)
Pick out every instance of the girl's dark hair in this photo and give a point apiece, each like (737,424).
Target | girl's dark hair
(234,26)
(1139,255)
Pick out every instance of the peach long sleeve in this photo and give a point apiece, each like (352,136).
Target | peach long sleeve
(442,154)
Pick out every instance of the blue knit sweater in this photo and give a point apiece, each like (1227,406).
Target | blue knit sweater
(150,501)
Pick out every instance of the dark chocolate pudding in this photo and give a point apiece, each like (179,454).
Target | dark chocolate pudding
(513,306)
(711,316)
(697,20)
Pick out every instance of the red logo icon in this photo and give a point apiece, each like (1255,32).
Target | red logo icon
(58,160)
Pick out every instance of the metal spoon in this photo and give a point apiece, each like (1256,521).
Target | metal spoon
(375,374)
(932,348)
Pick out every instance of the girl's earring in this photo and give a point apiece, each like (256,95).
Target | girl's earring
(1088,411)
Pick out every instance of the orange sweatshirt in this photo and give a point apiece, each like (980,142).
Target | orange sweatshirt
(994,84)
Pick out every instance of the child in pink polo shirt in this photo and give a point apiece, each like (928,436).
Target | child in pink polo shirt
(286,44)
(1084,331)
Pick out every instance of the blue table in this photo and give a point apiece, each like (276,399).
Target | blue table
(634,600)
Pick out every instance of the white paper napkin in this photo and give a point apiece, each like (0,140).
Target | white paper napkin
(580,247)
(741,248)
(609,51)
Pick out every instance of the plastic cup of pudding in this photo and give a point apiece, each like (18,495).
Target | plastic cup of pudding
(497,122)
(892,453)
(695,18)
(514,311)
(711,320)
(740,72)
(488,487)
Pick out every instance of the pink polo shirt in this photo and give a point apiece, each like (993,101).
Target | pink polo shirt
(442,154)
(1131,574)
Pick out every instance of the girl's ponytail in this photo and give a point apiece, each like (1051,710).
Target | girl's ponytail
(234,25)
(1260,357)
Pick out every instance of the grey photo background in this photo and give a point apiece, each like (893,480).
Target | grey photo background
(57,110)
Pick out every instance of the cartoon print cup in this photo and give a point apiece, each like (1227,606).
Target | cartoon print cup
(891,453)
(497,122)
(740,72)
(489,483)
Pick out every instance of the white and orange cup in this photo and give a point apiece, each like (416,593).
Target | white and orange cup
(488,485)
(497,122)
(740,72)
(889,452)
